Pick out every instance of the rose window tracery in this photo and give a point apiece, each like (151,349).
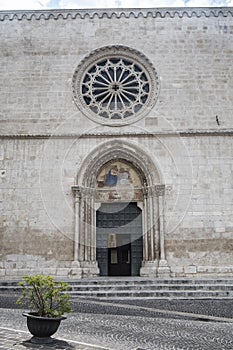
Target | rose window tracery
(115,88)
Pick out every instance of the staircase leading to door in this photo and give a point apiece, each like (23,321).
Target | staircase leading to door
(117,288)
(132,287)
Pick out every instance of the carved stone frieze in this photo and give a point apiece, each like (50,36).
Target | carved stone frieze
(116,13)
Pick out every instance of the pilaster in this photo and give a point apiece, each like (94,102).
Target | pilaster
(84,241)
(163,267)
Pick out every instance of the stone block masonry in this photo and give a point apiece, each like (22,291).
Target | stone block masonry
(186,138)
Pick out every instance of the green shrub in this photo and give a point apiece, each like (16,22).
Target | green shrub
(45,296)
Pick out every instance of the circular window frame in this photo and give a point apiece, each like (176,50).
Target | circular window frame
(117,52)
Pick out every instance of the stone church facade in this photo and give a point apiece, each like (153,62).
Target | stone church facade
(116,143)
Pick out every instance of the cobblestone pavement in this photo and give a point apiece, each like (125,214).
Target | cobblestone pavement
(19,340)
(121,332)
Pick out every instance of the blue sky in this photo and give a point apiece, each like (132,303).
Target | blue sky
(78,4)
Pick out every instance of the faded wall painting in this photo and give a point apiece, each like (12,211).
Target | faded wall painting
(118,181)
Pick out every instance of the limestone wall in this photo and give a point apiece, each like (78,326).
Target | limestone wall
(37,228)
(44,137)
(193,57)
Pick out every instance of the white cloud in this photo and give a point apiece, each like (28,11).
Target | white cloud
(23,5)
(152,3)
(78,4)
(198,3)
(206,3)
(119,3)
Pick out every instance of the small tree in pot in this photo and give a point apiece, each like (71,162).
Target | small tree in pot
(48,301)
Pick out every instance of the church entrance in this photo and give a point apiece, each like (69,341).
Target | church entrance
(119,239)
(119,213)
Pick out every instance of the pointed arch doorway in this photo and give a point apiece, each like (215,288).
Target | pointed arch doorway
(120,177)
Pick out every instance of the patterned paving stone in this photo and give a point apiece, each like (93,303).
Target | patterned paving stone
(122,332)
(17,340)
(131,333)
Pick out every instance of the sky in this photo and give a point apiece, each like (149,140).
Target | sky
(80,4)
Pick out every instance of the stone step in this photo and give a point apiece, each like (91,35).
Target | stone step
(152,287)
(137,287)
(122,288)
(194,294)
(139,280)
(136,281)
(10,289)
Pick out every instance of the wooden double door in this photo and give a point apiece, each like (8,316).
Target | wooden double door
(119,239)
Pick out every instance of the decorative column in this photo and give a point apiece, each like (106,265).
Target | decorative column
(77,198)
(93,230)
(150,263)
(145,229)
(76,271)
(85,231)
(163,268)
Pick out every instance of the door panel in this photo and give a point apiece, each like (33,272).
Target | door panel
(119,258)
(119,227)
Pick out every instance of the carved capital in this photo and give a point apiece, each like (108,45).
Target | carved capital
(152,191)
(80,191)
(160,190)
(76,191)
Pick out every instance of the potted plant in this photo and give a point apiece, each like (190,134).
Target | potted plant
(48,301)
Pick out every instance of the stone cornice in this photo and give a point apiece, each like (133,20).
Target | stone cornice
(169,12)
(188,133)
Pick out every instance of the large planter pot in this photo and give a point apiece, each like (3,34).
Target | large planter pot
(42,327)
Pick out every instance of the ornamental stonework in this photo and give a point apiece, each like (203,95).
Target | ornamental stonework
(115,85)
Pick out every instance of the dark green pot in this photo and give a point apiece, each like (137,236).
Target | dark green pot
(42,328)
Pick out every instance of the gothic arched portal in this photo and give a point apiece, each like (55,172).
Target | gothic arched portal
(119,175)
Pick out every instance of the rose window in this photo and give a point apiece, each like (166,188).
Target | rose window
(117,88)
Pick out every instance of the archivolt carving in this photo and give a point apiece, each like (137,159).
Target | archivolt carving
(120,152)
(113,150)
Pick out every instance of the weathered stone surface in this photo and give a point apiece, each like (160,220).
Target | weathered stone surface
(186,138)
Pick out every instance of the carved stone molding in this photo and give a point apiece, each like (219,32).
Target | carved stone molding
(115,85)
(116,13)
(76,191)
(110,134)
(116,150)
(160,190)
(152,203)
(80,191)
